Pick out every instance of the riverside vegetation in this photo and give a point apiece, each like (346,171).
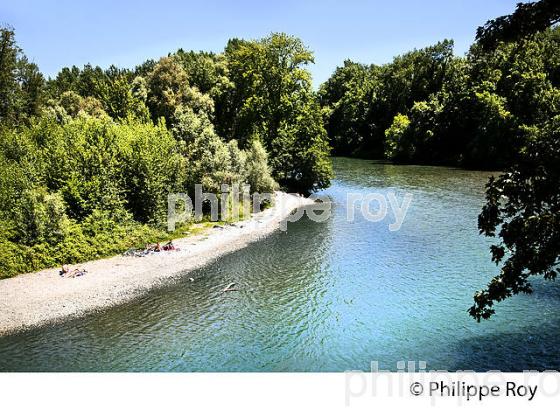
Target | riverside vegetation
(87,158)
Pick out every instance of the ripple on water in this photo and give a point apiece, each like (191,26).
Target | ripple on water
(324,297)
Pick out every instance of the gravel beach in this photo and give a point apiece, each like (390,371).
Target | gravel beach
(43,297)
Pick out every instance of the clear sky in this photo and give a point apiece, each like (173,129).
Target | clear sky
(55,34)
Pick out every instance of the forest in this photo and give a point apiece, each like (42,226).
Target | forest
(88,158)
(430,106)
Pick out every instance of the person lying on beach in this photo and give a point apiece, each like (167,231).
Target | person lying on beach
(153,248)
(71,273)
(149,248)
(169,246)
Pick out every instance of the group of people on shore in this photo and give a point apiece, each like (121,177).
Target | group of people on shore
(151,248)
(67,272)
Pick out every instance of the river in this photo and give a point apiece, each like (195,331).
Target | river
(331,296)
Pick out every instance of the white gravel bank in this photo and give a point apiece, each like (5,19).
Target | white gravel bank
(38,298)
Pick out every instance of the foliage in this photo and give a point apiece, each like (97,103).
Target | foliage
(169,91)
(466,112)
(258,174)
(527,19)
(360,102)
(272,98)
(99,235)
(395,135)
(21,83)
(56,208)
(346,96)
(40,217)
(523,206)
(208,72)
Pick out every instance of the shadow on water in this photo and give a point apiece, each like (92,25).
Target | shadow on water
(522,343)
(508,352)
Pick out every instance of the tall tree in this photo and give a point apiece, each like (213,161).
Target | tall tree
(360,102)
(272,100)
(8,65)
(523,204)
(21,83)
(523,209)
(346,98)
(169,91)
(31,87)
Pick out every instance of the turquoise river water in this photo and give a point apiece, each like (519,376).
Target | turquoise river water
(329,296)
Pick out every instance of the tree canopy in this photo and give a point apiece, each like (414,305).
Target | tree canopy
(527,19)
(272,98)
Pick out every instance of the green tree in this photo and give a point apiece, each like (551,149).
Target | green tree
(258,173)
(21,83)
(40,217)
(31,88)
(73,104)
(208,72)
(360,102)
(153,167)
(346,96)
(8,83)
(523,209)
(169,91)
(209,161)
(523,204)
(121,103)
(527,19)
(396,144)
(272,99)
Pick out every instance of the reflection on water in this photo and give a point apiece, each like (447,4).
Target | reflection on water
(326,296)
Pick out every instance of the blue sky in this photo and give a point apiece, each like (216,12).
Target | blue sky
(56,34)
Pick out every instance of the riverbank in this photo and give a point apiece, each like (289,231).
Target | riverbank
(43,297)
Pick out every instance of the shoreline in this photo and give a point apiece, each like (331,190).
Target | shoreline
(34,299)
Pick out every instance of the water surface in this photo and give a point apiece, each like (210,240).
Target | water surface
(329,296)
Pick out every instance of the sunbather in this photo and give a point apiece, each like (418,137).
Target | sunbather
(169,246)
(153,248)
(71,273)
